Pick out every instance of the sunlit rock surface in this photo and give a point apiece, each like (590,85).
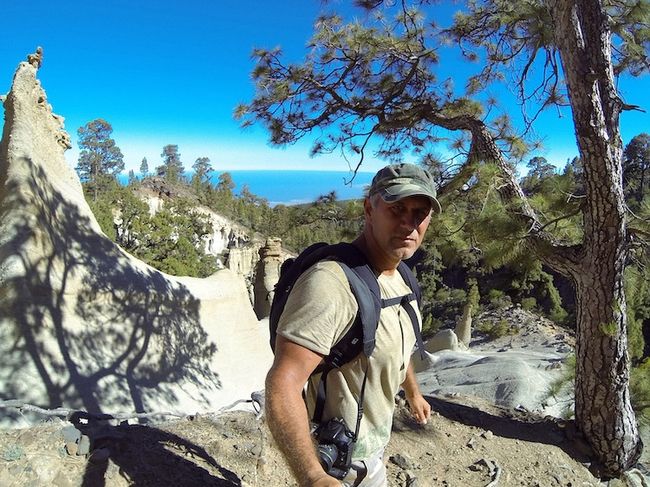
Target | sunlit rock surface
(84,324)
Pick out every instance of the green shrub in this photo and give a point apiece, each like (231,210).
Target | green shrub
(640,390)
(498,299)
(529,304)
(566,380)
(430,326)
(558,315)
(496,330)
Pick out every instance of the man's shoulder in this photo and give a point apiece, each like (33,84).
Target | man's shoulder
(325,270)
(323,279)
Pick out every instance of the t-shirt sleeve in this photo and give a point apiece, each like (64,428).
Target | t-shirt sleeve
(319,309)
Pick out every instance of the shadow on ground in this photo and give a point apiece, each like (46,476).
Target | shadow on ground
(519,425)
(148,456)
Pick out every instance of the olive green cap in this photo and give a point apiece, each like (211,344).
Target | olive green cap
(399,181)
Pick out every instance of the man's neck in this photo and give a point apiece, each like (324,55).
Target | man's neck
(380,263)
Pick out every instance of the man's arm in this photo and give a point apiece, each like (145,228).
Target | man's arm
(420,408)
(287,415)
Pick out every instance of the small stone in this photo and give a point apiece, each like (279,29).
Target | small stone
(71,448)
(71,434)
(488,435)
(401,461)
(13,453)
(84,446)
(61,480)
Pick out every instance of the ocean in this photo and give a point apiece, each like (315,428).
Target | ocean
(295,187)
(292,187)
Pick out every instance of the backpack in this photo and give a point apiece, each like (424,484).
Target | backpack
(365,288)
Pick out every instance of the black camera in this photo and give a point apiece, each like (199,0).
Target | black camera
(335,443)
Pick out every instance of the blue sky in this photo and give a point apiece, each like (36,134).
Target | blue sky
(171,72)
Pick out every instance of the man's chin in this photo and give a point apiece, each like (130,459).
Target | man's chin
(405,252)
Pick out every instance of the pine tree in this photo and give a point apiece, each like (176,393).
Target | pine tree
(202,168)
(201,177)
(172,167)
(636,167)
(223,195)
(144,167)
(100,159)
(539,169)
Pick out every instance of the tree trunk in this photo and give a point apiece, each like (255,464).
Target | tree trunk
(603,410)
(602,400)
(463,328)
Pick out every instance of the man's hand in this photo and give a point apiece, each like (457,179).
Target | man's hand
(419,406)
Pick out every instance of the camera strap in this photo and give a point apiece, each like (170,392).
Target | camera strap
(322,392)
(360,401)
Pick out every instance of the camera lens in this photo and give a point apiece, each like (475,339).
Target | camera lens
(328,454)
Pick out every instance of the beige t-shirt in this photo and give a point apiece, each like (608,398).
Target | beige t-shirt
(319,310)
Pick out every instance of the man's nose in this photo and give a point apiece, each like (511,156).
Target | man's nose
(409,219)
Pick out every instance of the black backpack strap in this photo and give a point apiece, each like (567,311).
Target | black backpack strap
(290,271)
(321,392)
(365,288)
(405,302)
(368,302)
(410,280)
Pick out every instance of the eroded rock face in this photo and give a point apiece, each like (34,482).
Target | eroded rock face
(267,275)
(85,325)
(226,234)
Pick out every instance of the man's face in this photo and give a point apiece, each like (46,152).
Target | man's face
(397,229)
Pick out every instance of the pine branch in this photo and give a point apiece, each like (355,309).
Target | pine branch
(560,218)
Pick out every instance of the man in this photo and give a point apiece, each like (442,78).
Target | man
(321,308)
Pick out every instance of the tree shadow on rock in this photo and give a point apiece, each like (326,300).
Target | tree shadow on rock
(148,456)
(85,325)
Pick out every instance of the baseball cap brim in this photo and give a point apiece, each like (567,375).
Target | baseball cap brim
(400,190)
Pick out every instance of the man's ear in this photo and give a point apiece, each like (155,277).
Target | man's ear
(367,207)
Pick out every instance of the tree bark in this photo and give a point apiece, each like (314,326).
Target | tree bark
(603,409)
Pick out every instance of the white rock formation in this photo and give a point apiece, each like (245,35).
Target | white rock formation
(511,371)
(244,259)
(266,276)
(226,234)
(85,325)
